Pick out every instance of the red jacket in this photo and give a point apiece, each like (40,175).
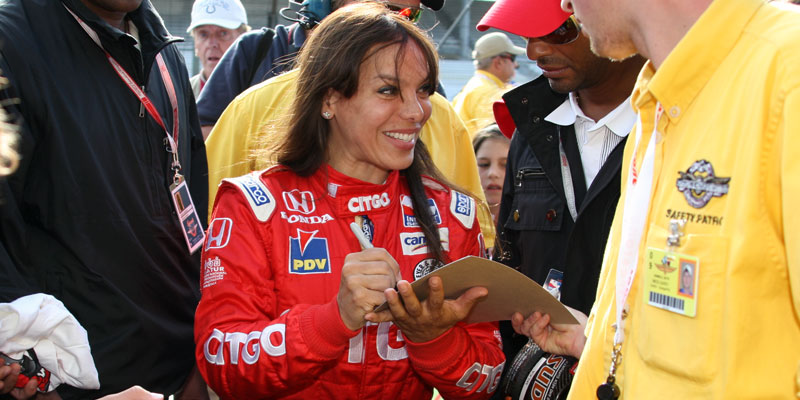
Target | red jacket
(268,324)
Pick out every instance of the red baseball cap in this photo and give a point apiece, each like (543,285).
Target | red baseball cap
(527,18)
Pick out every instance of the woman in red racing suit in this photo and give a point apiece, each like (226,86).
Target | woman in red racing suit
(287,288)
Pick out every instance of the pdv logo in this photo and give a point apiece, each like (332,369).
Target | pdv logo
(308,254)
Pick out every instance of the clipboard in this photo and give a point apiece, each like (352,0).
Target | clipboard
(509,291)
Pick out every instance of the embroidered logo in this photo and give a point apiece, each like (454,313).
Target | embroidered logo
(219,233)
(425,267)
(308,254)
(699,184)
(297,201)
(415,243)
(409,219)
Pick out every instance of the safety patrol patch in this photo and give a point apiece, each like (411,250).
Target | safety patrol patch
(699,184)
(308,254)
(425,267)
(261,200)
(463,208)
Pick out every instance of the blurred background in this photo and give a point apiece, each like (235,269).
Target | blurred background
(452,29)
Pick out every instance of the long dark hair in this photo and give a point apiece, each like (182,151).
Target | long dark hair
(331,60)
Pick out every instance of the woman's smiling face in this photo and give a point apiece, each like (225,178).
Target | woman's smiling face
(374,131)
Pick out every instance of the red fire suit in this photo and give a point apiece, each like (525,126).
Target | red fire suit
(268,324)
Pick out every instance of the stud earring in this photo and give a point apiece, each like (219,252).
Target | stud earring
(327,115)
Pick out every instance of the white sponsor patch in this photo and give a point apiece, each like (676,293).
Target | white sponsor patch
(261,200)
(415,243)
(463,208)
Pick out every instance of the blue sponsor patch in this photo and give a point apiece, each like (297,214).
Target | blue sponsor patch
(255,191)
(409,220)
(463,204)
(308,254)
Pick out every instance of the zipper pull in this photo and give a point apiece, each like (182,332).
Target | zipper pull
(141,106)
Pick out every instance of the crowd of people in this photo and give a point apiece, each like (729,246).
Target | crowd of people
(254,231)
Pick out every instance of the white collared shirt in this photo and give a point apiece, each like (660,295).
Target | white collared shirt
(596,140)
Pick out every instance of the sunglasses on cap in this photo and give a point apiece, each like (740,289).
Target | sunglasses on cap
(411,13)
(567,33)
(510,57)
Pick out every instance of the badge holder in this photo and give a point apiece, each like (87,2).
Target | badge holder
(187,214)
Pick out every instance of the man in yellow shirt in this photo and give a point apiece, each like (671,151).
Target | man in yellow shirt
(247,123)
(495,62)
(711,178)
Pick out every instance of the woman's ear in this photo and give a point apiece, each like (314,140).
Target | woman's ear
(329,103)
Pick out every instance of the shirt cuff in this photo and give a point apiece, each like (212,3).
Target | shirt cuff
(328,335)
(441,352)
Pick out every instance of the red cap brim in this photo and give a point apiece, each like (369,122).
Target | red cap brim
(526,18)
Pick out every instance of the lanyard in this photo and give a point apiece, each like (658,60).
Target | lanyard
(139,92)
(566,179)
(637,204)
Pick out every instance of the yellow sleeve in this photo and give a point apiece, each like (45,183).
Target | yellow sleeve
(227,146)
(790,192)
(451,149)
(246,126)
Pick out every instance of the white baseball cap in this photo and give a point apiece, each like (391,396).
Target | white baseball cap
(494,44)
(229,14)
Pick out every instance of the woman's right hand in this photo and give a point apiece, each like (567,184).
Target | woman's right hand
(561,339)
(365,275)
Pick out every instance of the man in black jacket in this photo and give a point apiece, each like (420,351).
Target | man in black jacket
(562,175)
(89,216)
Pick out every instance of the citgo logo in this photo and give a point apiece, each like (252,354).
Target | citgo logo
(308,254)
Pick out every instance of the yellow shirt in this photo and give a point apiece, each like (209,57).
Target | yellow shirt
(474,102)
(730,91)
(262,109)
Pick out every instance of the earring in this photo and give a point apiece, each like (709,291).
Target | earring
(327,115)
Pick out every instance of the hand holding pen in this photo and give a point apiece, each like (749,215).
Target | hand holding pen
(365,276)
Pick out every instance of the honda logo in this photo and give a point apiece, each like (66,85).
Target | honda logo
(302,202)
(219,233)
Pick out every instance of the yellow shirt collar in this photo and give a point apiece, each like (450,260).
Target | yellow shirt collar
(690,65)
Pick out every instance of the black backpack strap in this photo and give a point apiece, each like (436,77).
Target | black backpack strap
(261,52)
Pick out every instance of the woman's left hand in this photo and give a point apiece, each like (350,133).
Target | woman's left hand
(426,320)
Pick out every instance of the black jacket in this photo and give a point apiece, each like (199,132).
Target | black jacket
(88,216)
(535,230)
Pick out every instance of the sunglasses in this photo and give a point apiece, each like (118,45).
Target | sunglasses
(510,57)
(567,33)
(411,13)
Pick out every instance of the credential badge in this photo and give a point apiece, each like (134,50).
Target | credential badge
(699,184)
